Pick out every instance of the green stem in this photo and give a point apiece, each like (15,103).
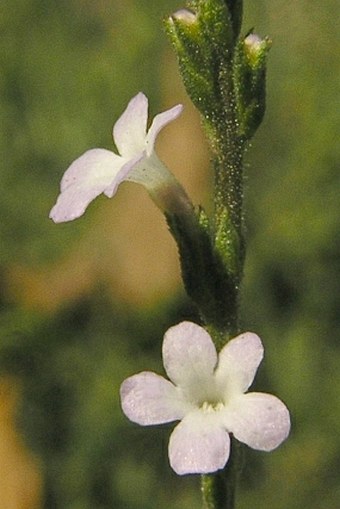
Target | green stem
(219,489)
(228,185)
(228,148)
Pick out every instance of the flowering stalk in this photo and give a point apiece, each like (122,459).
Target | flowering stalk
(224,74)
(209,373)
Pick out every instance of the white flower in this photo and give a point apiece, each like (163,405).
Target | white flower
(207,394)
(101,171)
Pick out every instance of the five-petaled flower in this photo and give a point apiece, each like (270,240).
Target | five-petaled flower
(207,394)
(101,171)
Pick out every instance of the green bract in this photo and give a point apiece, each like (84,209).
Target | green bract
(250,82)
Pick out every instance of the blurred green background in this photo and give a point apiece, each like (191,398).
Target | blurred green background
(85,304)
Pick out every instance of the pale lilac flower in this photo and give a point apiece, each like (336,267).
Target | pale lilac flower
(207,393)
(101,171)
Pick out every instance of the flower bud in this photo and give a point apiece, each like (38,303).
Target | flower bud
(255,49)
(184,16)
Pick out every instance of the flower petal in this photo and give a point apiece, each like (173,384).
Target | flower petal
(238,362)
(129,132)
(87,177)
(259,420)
(189,355)
(198,445)
(148,398)
(123,174)
(160,121)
